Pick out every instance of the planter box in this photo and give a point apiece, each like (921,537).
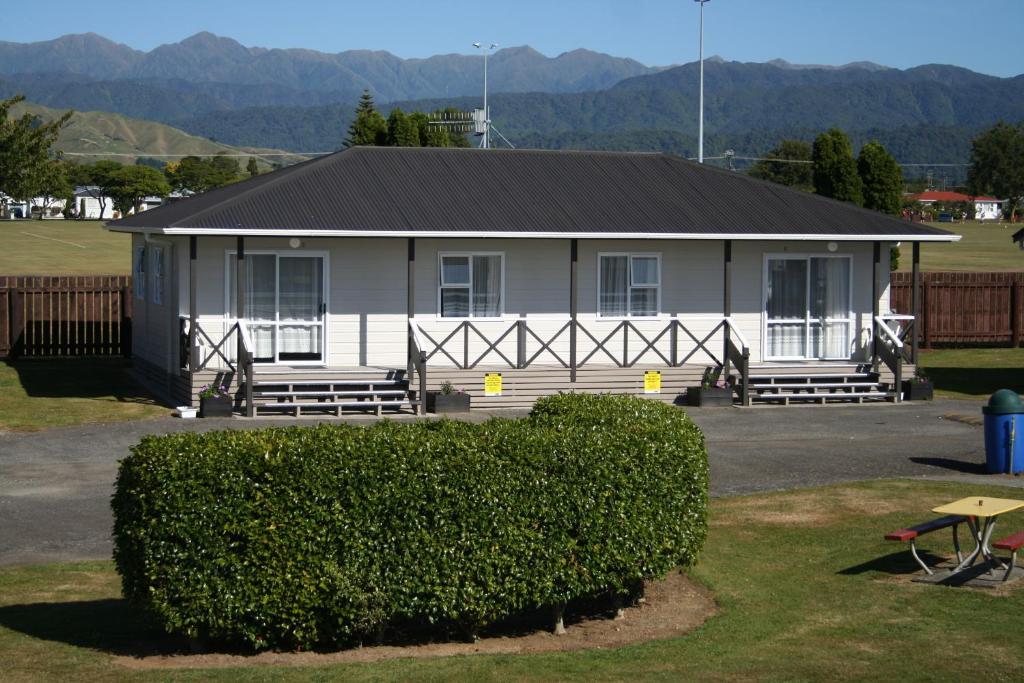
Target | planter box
(917,391)
(216,406)
(709,398)
(447,403)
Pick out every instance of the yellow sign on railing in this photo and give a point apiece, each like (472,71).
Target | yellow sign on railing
(652,382)
(492,384)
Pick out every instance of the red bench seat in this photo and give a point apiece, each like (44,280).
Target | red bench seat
(913,532)
(1012,543)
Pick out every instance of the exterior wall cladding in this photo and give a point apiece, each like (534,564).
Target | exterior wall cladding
(367,306)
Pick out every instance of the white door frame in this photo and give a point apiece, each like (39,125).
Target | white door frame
(324,324)
(806,321)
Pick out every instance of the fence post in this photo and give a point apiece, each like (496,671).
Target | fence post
(521,341)
(16,302)
(1015,314)
(926,317)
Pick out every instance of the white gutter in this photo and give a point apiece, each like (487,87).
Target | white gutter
(490,234)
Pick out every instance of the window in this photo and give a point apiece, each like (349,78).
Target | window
(629,285)
(158,275)
(807,307)
(139,273)
(471,285)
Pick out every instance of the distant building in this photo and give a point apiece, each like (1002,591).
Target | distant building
(985,208)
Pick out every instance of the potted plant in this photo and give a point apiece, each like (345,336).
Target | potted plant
(918,387)
(713,391)
(215,401)
(447,400)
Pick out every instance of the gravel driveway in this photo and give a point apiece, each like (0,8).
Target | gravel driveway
(55,486)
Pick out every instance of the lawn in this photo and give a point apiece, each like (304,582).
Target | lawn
(983,247)
(808,590)
(38,394)
(62,248)
(973,373)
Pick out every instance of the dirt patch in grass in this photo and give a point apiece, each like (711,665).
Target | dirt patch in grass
(670,608)
(806,509)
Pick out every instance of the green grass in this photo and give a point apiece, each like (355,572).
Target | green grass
(808,590)
(984,247)
(973,373)
(56,247)
(57,393)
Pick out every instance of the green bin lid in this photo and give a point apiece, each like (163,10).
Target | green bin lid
(1004,402)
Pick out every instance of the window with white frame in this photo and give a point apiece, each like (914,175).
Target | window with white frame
(139,273)
(471,285)
(158,275)
(628,285)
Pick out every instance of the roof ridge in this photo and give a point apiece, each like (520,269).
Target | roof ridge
(270,181)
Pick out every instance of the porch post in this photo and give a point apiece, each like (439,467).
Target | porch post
(193,312)
(915,306)
(726,304)
(875,294)
(240,359)
(410,303)
(573,305)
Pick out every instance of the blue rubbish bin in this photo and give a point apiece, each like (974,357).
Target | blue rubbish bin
(1004,433)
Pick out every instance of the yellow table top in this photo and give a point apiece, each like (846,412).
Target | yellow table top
(980,506)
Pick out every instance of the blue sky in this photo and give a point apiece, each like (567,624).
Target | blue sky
(983,35)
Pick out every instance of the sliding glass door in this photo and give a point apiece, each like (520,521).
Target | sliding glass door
(807,308)
(284,306)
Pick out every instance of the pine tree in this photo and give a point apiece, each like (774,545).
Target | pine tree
(784,171)
(997,165)
(368,127)
(835,170)
(252,168)
(881,178)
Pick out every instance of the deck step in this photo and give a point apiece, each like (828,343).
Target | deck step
(800,386)
(326,394)
(857,397)
(823,377)
(331,383)
(338,407)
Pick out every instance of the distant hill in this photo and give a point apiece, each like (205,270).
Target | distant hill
(207,58)
(927,112)
(102,135)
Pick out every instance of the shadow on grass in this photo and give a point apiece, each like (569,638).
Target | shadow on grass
(110,626)
(898,563)
(80,378)
(976,381)
(951,464)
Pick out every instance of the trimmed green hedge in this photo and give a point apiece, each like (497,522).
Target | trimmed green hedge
(312,536)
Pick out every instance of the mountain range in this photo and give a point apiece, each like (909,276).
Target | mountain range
(302,100)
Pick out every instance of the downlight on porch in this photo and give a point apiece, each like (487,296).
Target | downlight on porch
(360,280)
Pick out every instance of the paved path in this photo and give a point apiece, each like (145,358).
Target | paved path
(55,486)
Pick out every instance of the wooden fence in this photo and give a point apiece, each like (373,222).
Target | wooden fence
(964,308)
(56,316)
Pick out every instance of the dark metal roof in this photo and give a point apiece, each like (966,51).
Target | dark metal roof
(390,190)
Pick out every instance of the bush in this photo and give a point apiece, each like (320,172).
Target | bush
(302,537)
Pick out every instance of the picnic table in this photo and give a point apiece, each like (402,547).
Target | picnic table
(981,514)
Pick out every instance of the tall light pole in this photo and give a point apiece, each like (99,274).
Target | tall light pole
(487,112)
(700,124)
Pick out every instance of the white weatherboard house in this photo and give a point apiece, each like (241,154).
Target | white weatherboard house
(364,278)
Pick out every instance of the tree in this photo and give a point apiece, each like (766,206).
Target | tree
(793,168)
(835,171)
(368,127)
(997,164)
(252,168)
(881,179)
(197,174)
(52,186)
(402,130)
(129,185)
(95,180)
(25,146)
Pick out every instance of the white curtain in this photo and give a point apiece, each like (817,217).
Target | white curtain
(614,286)
(830,301)
(486,286)
(787,300)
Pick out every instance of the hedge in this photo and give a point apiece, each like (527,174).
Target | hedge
(306,537)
